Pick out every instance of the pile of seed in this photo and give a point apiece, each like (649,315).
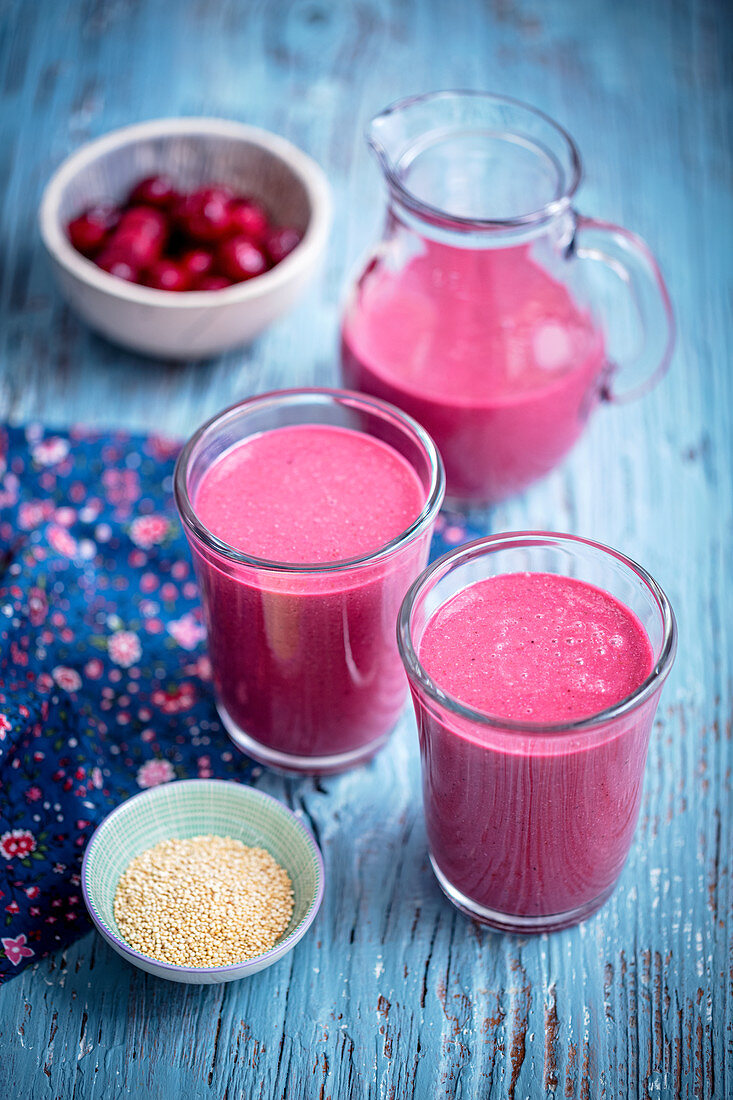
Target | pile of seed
(206,901)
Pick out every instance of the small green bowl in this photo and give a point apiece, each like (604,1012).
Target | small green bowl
(193,807)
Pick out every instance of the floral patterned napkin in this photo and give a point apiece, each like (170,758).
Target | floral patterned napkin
(105,687)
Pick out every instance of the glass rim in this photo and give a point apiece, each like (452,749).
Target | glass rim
(292,397)
(417,674)
(424,209)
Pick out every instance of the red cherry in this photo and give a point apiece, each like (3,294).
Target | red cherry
(167,275)
(89,231)
(198,262)
(140,250)
(114,264)
(281,242)
(155,191)
(248,218)
(144,219)
(204,215)
(220,192)
(213,282)
(239,259)
(140,236)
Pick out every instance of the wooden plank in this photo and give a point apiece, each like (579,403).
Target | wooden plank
(393,994)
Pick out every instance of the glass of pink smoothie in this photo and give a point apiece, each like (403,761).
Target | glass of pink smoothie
(478,311)
(535,664)
(308,513)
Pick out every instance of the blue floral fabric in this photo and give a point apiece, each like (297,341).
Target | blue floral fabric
(105,687)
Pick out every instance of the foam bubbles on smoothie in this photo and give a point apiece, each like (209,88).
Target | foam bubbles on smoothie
(536,644)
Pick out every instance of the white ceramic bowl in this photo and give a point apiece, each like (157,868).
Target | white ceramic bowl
(195,151)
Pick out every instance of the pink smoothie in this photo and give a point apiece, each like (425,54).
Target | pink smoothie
(523,823)
(310,493)
(487,351)
(305,663)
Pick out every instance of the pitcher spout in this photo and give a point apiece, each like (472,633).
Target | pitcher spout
(389,135)
(476,160)
(398,132)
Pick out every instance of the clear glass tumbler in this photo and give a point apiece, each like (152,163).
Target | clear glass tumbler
(304,657)
(529,825)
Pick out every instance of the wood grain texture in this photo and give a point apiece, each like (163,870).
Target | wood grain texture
(393,994)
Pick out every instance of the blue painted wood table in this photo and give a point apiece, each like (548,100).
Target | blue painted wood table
(394,994)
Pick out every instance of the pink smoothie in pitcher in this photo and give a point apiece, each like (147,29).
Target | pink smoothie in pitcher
(533,823)
(487,351)
(305,663)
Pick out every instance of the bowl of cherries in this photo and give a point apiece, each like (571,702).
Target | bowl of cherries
(182,238)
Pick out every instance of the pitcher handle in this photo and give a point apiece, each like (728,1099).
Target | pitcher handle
(630,258)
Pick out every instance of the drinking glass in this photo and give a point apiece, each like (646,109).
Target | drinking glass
(304,657)
(528,824)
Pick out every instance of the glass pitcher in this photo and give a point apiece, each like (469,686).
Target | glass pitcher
(475,313)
